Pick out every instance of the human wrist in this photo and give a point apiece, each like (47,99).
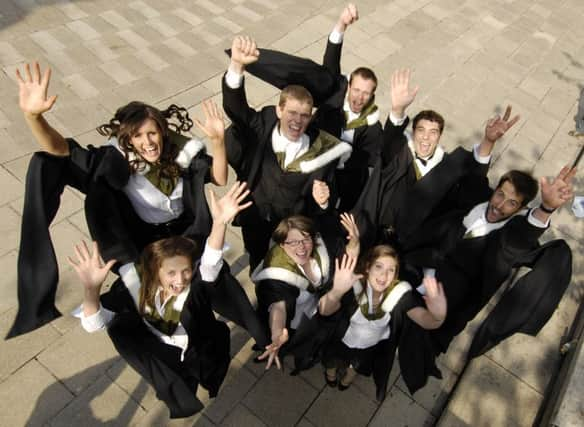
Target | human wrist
(236,67)
(546,209)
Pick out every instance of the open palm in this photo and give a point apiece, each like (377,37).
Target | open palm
(33,89)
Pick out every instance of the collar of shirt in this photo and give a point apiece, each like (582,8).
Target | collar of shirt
(179,302)
(292,149)
(427,164)
(350,114)
(476,222)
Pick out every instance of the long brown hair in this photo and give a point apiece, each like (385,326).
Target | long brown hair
(128,120)
(151,260)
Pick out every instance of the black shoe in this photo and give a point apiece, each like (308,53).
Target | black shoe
(331,383)
(343,387)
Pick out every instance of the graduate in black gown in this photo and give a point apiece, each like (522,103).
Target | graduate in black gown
(413,168)
(351,114)
(161,320)
(276,150)
(374,305)
(296,271)
(473,250)
(345,104)
(146,183)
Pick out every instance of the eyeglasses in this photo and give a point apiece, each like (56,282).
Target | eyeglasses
(296,243)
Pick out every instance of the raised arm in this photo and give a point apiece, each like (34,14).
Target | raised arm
(402,96)
(353,246)
(555,193)
(332,54)
(92,271)
(243,52)
(434,314)
(33,101)
(214,129)
(343,281)
(496,127)
(223,211)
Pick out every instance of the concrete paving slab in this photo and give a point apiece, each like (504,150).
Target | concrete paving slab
(503,398)
(399,410)
(70,355)
(32,396)
(18,351)
(103,402)
(8,290)
(241,416)
(279,399)
(347,408)
(238,383)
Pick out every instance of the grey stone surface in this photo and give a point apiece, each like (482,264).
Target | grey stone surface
(471,58)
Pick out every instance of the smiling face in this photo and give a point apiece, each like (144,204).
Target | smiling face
(504,202)
(298,246)
(381,273)
(147,141)
(426,137)
(294,118)
(360,92)
(175,274)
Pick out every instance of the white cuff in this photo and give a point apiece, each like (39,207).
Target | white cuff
(536,222)
(98,320)
(233,79)
(335,37)
(397,121)
(211,263)
(484,160)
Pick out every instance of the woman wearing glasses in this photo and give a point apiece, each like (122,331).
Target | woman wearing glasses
(295,273)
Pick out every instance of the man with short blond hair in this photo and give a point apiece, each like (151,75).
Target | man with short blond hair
(287,162)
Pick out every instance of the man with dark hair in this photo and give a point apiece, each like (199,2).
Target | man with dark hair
(473,251)
(352,115)
(413,166)
(287,162)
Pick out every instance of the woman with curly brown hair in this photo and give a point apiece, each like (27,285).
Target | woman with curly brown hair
(146,183)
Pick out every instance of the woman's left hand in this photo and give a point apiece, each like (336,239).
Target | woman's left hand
(214,126)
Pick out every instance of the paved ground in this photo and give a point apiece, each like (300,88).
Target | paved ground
(471,58)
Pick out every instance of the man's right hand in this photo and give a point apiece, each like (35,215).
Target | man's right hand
(243,52)
(348,16)
(401,94)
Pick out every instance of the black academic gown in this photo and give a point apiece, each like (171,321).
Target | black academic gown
(276,195)
(473,269)
(206,359)
(328,88)
(100,173)
(377,360)
(395,203)
(308,341)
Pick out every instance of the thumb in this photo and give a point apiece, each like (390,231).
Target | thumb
(108,266)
